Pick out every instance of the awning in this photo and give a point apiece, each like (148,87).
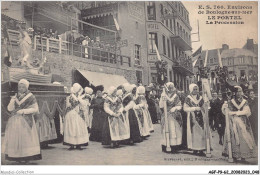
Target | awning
(106,80)
(98,15)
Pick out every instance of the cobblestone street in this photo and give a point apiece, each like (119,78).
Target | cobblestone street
(146,153)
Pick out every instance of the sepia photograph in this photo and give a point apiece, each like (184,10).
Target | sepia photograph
(129,83)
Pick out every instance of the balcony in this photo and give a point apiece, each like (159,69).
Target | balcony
(108,9)
(183,65)
(182,41)
(105,55)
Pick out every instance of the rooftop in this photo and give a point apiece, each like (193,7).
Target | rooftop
(236,52)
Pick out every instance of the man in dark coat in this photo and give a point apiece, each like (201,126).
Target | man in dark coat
(253,119)
(212,111)
(151,101)
(218,118)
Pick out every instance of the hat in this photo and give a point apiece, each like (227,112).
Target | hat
(76,87)
(88,90)
(30,29)
(119,92)
(25,82)
(140,90)
(133,85)
(236,88)
(170,84)
(128,88)
(192,86)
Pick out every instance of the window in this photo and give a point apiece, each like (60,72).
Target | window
(173,53)
(229,61)
(174,26)
(167,23)
(211,60)
(241,60)
(242,73)
(152,42)
(171,24)
(151,11)
(169,51)
(154,77)
(251,60)
(137,54)
(161,9)
(177,33)
(176,51)
(139,76)
(164,45)
(215,60)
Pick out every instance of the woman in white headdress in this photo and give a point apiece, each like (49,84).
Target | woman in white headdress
(21,141)
(241,136)
(115,126)
(196,136)
(175,122)
(87,97)
(129,104)
(75,128)
(141,110)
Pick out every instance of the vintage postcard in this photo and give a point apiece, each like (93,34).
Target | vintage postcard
(129,83)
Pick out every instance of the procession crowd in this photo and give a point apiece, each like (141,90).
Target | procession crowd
(126,115)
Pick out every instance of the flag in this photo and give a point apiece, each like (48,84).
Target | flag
(197,52)
(219,59)
(116,24)
(157,53)
(196,55)
(195,61)
(206,59)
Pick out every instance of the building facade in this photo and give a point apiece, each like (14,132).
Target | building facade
(128,19)
(132,29)
(242,63)
(169,29)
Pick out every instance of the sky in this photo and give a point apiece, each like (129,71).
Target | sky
(214,35)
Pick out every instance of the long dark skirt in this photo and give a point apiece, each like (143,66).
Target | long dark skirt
(106,138)
(97,126)
(135,135)
(184,145)
(153,114)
